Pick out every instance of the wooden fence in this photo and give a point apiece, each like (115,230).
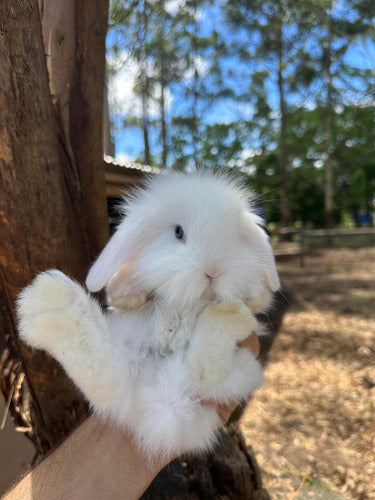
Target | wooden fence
(290,241)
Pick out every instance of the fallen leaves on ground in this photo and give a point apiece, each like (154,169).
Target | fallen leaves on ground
(315,415)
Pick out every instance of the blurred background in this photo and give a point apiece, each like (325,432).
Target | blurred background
(280,91)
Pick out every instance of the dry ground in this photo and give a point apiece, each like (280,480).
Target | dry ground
(315,416)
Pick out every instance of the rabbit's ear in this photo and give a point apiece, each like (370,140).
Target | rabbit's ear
(123,289)
(259,242)
(121,248)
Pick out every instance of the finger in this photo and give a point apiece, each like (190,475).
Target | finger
(251,343)
(224,410)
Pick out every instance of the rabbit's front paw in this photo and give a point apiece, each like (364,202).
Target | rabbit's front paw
(244,376)
(48,308)
(235,319)
(210,356)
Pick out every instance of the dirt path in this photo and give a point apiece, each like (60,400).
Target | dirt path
(315,417)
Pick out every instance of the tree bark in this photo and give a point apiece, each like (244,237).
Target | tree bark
(229,472)
(74,42)
(44,210)
(108,142)
(86,115)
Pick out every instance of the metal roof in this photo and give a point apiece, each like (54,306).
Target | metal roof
(121,177)
(109,160)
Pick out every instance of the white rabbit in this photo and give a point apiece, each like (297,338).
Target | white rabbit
(184,262)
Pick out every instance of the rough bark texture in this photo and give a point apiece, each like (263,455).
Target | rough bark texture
(229,473)
(44,215)
(86,113)
(74,44)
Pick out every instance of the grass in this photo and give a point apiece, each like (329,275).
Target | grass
(315,415)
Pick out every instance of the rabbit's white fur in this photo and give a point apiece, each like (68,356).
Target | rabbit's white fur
(152,369)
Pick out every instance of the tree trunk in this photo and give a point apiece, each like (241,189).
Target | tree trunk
(47,203)
(194,119)
(108,142)
(144,85)
(86,113)
(195,89)
(229,472)
(74,42)
(142,39)
(283,151)
(164,153)
(328,123)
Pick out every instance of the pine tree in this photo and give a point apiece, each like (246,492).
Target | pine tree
(335,29)
(272,35)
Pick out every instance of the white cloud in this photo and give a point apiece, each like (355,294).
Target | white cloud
(173,6)
(201,64)
(121,96)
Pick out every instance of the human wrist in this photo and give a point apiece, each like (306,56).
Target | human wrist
(114,463)
(97,461)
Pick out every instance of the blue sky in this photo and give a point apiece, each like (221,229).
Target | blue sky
(129,140)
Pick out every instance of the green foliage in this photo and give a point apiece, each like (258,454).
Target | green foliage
(269,90)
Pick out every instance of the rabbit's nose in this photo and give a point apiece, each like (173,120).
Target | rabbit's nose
(211,275)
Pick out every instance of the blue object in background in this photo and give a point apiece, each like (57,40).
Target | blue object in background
(364,218)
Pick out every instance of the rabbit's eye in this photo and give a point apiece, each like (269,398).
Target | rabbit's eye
(179,232)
